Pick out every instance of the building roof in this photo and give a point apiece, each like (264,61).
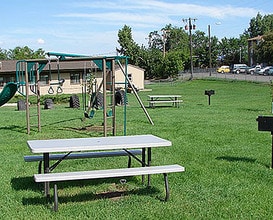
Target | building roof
(9,66)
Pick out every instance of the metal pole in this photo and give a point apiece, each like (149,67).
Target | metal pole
(190,28)
(209,51)
(104,72)
(38,97)
(27,98)
(272,151)
(135,93)
(113,104)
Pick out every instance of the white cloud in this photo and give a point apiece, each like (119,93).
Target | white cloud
(40,41)
(155,9)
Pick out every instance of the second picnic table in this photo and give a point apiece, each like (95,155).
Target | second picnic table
(174,99)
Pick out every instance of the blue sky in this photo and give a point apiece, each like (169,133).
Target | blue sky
(91,27)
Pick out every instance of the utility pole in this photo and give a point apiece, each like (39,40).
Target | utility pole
(189,26)
(210,66)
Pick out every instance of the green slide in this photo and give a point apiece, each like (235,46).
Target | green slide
(8,92)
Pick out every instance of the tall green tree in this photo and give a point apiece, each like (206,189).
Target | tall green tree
(20,53)
(265,49)
(3,54)
(233,50)
(260,25)
(173,63)
(128,47)
(170,49)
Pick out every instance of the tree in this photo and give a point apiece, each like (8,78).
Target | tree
(20,53)
(169,51)
(173,63)
(233,50)
(260,25)
(3,54)
(200,45)
(265,49)
(128,46)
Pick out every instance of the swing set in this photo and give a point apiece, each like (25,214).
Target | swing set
(28,82)
(28,79)
(60,81)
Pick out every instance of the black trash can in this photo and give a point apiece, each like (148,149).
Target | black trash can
(48,104)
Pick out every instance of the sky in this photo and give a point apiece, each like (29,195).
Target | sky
(90,27)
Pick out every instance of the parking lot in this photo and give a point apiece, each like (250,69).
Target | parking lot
(214,74)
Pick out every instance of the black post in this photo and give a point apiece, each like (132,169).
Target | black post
(209,93)
(272,150)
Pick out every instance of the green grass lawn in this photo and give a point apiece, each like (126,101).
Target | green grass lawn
(226,158)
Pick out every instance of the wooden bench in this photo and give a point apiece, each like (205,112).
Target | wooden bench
(109,173)
(83,155)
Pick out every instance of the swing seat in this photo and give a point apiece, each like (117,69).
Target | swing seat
(92,113)
(110,113)
(86,115)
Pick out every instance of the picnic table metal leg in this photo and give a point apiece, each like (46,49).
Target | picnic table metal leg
(149,164)
(166,187)
(143,162)
(55,207)
(46,170)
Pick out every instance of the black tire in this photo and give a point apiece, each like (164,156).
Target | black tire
(48,104)
(98,102)
(120,97)
(74,101)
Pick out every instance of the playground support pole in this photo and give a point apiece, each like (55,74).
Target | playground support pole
(38,96)
(135,93)
(104,71)
(27,98)
(113,104)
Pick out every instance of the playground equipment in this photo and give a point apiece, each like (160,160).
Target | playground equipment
(8,92)
(60,81)
(113,95)
(28,81)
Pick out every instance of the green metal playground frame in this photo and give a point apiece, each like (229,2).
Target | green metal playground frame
(28,80)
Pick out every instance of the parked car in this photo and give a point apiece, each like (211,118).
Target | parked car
(269,71)
(223,69)
(239,68)
(254,69)
(263,70)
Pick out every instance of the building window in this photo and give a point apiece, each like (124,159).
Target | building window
(6,79)
(130,76)
(75,78)
(2,81)
(44,79)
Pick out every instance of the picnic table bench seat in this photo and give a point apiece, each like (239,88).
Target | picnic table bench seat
(109,173)
(83,155)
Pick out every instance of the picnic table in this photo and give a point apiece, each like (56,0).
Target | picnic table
(173,99)
(124,143)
